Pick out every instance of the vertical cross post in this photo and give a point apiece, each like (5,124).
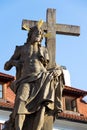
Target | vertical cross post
(51,41)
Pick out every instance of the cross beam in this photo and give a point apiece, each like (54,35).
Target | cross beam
(51,26)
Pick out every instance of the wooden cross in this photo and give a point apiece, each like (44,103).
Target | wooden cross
(51,26)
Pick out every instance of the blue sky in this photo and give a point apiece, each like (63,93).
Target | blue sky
(70,51)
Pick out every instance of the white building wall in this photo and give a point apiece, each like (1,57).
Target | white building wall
(66,76)
(69,125)
(4,115)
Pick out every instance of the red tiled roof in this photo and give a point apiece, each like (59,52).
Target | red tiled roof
(6,105)
(5,77)
(73,117)
(71,90)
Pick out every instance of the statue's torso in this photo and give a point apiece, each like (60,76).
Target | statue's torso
(31,60)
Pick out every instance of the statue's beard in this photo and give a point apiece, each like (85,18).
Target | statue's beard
(36,39)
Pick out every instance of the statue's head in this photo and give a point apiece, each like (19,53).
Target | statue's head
(36,33)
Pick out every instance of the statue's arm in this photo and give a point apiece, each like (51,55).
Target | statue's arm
(59,86)
(13,60)
(44,57)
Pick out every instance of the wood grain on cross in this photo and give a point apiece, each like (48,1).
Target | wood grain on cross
(51,26)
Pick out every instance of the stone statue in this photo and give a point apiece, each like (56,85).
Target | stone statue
(38,89)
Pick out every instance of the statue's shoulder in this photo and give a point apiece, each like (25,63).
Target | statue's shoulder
(18,50)
(19,47)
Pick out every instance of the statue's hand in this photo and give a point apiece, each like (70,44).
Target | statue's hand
(7,65)
(56,72)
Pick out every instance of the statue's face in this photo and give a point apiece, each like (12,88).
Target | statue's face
(36,35)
